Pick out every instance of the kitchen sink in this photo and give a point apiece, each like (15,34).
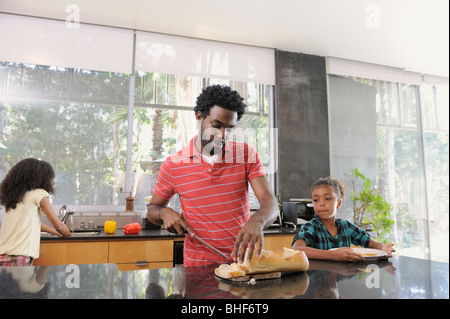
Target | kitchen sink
(85,233)
(75,234)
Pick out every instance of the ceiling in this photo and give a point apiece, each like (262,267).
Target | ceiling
(406,34)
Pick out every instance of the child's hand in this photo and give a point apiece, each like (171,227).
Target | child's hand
(345,254)
(53,231)
(389,249)
(64,230)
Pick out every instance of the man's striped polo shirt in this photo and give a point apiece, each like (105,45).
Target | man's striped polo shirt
(214,198)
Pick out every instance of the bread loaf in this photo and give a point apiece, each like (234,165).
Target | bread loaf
(284,259)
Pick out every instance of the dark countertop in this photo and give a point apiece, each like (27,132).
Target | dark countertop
(119,234)
(159,233)
(397,278)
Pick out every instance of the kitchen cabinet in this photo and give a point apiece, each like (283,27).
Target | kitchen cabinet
(127,254)
(274,242)
(141,254)
(72,252)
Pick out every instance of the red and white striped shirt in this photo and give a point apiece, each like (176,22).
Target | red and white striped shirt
(214,198)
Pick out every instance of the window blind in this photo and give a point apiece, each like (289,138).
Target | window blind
(52,42)
(371,71)
(179,55)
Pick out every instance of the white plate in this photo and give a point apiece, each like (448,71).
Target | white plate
(373,253)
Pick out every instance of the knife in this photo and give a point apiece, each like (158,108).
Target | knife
(209,246)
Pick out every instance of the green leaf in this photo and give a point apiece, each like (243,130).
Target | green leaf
(369,206)
(367,184)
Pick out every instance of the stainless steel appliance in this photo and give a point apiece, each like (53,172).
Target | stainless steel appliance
(297,209)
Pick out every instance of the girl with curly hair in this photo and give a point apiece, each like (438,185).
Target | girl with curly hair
(24,193)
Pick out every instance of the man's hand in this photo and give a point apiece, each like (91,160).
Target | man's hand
(174,221)
(158,213)
(251,235)
(249,238)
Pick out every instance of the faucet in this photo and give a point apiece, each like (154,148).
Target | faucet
(63,211)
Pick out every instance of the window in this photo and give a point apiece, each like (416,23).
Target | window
(164,122)
(403,132)
(435,142)
(77,120)
(76,115)
(65,116)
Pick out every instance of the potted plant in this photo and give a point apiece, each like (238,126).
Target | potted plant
(370,210)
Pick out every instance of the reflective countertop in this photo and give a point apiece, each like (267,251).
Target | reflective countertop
(397,278)
(145,234)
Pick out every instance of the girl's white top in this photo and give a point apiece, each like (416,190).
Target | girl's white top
(20,232)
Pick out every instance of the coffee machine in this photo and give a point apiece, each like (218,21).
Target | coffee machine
(297,210)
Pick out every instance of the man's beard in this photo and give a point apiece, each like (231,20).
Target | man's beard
(212,145)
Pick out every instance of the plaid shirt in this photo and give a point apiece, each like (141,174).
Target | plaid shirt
(315,235)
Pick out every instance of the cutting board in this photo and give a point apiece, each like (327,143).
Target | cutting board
(269,275)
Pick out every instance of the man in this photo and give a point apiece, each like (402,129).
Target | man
(211,176)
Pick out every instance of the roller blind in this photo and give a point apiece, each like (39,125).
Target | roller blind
(371,71)
(380,72)
(179,55)
(51,42)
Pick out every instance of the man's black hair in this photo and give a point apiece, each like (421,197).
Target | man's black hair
(220,95)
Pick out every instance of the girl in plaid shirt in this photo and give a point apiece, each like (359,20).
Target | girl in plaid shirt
(324,232)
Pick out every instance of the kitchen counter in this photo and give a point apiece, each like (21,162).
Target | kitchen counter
(397,278)
(149,248)
(119,234)
(148,234)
